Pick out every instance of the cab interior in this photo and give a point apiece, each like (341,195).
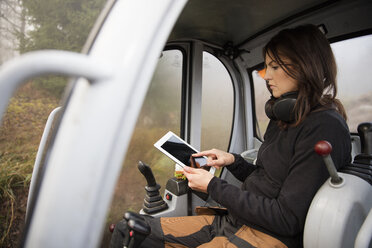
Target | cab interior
(215,48)
(207,87)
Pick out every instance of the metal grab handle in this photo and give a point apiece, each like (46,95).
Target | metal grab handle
(39,157)
(15,72)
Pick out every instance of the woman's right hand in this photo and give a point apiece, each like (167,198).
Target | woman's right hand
(216,158)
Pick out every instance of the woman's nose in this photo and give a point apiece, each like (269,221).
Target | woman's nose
(267,75)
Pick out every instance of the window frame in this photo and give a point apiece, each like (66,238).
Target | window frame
(226,62)
(184,48)
(190,129)
(250,70)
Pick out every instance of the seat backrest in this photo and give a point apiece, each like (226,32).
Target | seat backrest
(337,213)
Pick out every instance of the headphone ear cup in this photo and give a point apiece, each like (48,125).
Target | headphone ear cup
(283,109)
(269,106)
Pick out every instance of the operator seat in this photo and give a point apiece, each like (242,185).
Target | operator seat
(340,214)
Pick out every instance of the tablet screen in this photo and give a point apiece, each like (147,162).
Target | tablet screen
(178,149)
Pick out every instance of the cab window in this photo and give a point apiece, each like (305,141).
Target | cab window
(353,57)
(217,104)
(160,113)
(261,94)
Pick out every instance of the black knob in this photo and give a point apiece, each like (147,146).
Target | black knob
(139,226)
(153,202)
(147,173)
(129,215)
(139,231)
(365,134)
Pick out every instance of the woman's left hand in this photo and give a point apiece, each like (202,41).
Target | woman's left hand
(198,178)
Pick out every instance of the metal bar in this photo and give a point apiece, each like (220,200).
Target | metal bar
(15,72)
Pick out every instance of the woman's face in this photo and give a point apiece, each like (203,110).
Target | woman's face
(278,80)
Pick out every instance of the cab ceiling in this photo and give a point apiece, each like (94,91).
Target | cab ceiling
(237,21)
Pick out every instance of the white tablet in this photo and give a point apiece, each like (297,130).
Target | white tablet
(179,151)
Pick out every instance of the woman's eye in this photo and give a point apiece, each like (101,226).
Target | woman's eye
(275,67)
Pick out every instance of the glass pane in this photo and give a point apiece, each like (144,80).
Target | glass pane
(261,95)
(27,26)
(217,104)
(160,113)
(353,59)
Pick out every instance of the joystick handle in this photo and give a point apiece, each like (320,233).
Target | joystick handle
(365,134)
(129,215)
(153,201)
(147,173)
(135,223)
(324,149)
(139,226)
(139,231)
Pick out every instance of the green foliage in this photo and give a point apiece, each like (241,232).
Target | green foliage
(20,135)
(53,84)
(15,172)
(50,24)
(60,24)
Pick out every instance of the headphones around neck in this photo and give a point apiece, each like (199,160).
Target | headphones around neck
(282,108)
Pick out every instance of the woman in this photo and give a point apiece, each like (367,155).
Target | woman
(269,210)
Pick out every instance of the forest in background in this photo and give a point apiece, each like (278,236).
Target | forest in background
(28,25)
(65,25)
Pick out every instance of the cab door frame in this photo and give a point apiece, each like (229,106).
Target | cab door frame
(85,159)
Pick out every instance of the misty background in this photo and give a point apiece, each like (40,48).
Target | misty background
(28,25)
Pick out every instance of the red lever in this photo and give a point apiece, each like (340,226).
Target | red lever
(112,227)
(324,149)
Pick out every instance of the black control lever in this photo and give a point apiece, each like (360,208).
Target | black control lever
(153,202)
(147,173)
(137,229)
(365,134)
(127,217)
(139,226)
(140,230)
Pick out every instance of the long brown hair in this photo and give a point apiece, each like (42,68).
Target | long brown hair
(312,65)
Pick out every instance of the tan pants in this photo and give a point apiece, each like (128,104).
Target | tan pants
(189,227)
(198,231)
